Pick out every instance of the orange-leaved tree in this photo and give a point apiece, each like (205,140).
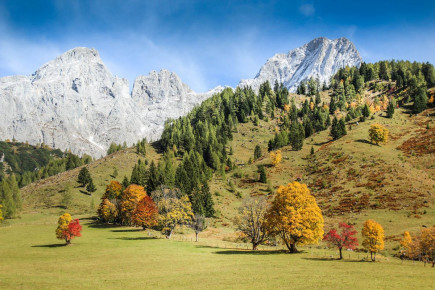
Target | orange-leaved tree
(146,213)
(68,228)
(373,234)
(130,197)
(295,216)
(109,209)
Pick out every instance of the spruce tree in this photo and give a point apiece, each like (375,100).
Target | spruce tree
(126,183)
(84,177)
(335,132)
(263,175)
(91,187)
(153,178)
(257,152)
(208,200)
(366,111)
(420,101)
(390,110)
(7,200)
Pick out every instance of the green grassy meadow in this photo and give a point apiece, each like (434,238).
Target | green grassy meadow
(124,257)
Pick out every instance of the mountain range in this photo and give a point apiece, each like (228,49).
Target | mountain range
(74,102)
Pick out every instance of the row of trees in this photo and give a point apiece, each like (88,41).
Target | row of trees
(164,209)
(190,177)
(294,216)
(420,246)
(414,78)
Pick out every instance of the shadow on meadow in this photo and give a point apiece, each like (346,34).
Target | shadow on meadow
(134,238)
(334,259)
(49,246)
(127,231)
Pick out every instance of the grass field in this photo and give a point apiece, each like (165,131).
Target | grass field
(122,257)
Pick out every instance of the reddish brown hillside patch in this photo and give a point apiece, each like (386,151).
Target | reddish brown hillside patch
(423,143)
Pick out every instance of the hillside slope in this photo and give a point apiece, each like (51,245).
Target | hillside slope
(351,179)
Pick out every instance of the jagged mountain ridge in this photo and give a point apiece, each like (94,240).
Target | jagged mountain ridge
(74,102)
(320,58)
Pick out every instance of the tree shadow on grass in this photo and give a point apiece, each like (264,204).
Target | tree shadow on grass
(126,231)
(49,246)
(135,238)
(334,259)
(251,252)
(363,141)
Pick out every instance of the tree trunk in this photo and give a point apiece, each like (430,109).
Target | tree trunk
(293,248)
(341,255)
(196,233)
(254,246)
(169,234)
(371,256)
(68,242)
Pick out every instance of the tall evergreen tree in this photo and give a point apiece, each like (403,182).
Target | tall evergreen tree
(257,152)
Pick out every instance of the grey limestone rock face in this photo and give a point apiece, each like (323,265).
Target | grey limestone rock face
(320,59)
(74,102)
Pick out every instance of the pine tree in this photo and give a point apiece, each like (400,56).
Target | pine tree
(420,101)
(390,109)
(208,200)
(16,195)
(312,150)
(91,187)
(153,178)
(125,183)
(296,136)
(366,111)
(84,177)
(263,175)
(7,200)
(257,152)
(335,132)
(332,106)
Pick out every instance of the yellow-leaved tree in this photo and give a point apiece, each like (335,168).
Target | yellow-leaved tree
(1,214)
(276,157)
(174,209)
(427,244)
(373,234)
(109,209)
(130,198)
(406,243)
(295,216)
(63,223)
(378,134)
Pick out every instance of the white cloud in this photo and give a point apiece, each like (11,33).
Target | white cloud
(307,9)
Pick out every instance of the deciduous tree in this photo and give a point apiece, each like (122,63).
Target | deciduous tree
(251,220)
(174,209)
(295,216)
(378,134)
(345,239)
(146,213)
(276,157)
(130,197)
(68,228)
(198,225)
(373,234)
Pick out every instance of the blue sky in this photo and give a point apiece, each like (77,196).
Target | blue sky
(207,43)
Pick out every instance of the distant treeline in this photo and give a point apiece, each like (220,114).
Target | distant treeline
(31,163)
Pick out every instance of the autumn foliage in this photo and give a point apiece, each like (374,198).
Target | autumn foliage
(295,217)
(1,214)
(146,213)
(421,246)
(129,199)
(378,134)
(345,239)
(276,157)
(68,228)
(373,234)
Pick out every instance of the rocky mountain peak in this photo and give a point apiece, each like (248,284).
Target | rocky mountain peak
(320,59)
